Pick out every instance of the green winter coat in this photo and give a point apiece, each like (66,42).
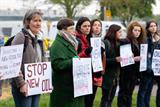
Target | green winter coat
(62,53)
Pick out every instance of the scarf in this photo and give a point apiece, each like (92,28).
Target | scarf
(70,38)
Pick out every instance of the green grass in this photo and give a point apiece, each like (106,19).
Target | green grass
(44,101)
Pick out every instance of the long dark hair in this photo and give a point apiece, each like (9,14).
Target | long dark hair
(90,34)
(148,25)
(80,21)
(111,35)
(149,36)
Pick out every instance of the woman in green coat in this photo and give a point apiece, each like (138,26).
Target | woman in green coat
(62,51)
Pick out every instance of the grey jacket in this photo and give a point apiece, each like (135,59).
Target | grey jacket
(29,55)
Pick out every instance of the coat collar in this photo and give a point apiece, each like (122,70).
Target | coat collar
(67,44)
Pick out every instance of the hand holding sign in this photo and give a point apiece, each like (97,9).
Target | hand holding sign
(38,78)
(24,89)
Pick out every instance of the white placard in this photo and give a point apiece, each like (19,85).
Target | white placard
(156,62)
(10,61)
(96,54)
(82,76)
(126,55)
(38,76)
(143,55)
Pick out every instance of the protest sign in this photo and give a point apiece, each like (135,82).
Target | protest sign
(126,55)
(38,76)
(156,62)
(10,61)
(96,54)
(82,76)
(143,55)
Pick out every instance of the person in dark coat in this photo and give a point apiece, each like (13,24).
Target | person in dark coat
(129,74)
(110,76)
(147,77)
(96,30)
(62,51)
(83,28)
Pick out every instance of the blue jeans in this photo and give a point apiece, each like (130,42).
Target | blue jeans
(21,101)
(158,91)
(145,89)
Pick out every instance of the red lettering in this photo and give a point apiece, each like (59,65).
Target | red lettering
(46,86)
(29,74)
(34,68)
(44,67)
(39,69)
(33,82)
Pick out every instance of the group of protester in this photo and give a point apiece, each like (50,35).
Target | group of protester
(127,76)
(73,42)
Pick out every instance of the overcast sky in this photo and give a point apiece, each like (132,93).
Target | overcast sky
(18,4)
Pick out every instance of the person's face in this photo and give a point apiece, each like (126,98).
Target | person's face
(85,27)
(96,28)
(136,31)
(71,30)
(35,24)
(153,27)
(118,34)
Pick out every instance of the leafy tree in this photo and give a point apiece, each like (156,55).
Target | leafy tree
(71,5)
(126,10)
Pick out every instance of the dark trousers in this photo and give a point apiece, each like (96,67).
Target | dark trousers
(144,92)
(108,95)
(127,83)
(89,99)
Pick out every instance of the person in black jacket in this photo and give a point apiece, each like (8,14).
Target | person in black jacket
(95,32)
(110,76)
(147,77)
(129,74)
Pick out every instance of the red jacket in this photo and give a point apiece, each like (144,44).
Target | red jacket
(84,44)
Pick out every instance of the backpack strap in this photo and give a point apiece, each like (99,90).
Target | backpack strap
(26,39)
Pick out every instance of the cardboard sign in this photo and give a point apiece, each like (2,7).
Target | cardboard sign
(10,61)
(96,54)
(126,55)
(38,77)
(156,62)
(82,76)
(143,54)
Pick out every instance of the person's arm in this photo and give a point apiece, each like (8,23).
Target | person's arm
(19,39)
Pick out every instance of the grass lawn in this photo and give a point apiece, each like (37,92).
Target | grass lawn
(7,101)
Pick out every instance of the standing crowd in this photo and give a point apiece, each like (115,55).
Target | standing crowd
(73,41)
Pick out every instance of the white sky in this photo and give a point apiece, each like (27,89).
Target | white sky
(18,4)
(156,8)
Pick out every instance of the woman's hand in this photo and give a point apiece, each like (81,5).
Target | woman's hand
(118,59)
(137,58)
(24,89)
